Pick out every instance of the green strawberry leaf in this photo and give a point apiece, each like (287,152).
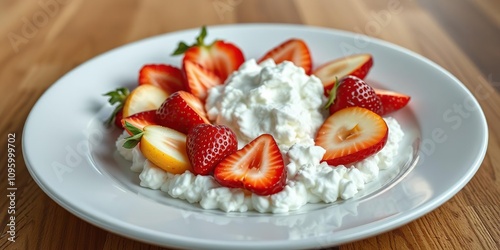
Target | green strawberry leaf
(200,38)
(200,42)
(117,96)
(181,49)
(132,141)
(133,129)
(333,94)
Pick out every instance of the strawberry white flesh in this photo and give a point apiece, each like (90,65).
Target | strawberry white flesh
(258,167)
(356,65)
(199,80)
(167,77)
(351,135)
(293,50)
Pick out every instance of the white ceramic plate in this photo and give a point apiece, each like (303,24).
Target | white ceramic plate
(72,158)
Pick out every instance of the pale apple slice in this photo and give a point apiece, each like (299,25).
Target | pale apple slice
(143,98)
(357,65)
(162,146)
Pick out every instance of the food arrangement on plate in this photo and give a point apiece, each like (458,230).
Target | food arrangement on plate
(268,135)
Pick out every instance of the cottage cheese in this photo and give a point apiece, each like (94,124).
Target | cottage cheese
(283,101)
(280,100)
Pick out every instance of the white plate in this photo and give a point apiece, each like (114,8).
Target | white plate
(71,156)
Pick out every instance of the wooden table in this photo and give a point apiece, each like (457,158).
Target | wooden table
(42,40)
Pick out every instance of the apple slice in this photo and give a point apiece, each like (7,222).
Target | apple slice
(164,147)
(143,98)
(391,101)
(351,135)
(357,65)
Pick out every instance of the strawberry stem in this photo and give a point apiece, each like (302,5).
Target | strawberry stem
(333,94)
(117,96)
(200,42)
(135,138)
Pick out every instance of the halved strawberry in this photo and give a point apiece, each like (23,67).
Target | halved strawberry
(220,57)
(207,145)
(164,147)
(258,167)
(351,91)
(356,65)
(117,96)
(167,77)
(293,50)
(391,101)
(351,135)
(181,111)
(143,98)
(140,120)
(199,80)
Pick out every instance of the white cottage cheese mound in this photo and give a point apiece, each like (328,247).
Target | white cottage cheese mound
(281,100)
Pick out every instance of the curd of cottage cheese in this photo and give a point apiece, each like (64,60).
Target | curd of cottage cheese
(280,100)
(283,101)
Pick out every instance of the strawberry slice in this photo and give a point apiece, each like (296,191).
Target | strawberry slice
(140,120)
(199,80)
(167,77)
(351,135)
(293,50)
(355,65)
(117,96)
(258,167)
(143,98)
(351,91)
(220,57)
(391,101)
(164,147)
(207,145)
(181,111)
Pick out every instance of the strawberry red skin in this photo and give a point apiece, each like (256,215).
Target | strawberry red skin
(362,71)
(181,111)
(207,145)
(221,58)
(352,91)
(118,119)
(167,77)
(294,50)
(391,101)
(358,156)
(140,120)
(261,154)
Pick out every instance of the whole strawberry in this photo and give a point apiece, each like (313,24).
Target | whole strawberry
(350,91)
(207,145)
(181,111)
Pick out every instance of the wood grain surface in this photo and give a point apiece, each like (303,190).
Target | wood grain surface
(42,40)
